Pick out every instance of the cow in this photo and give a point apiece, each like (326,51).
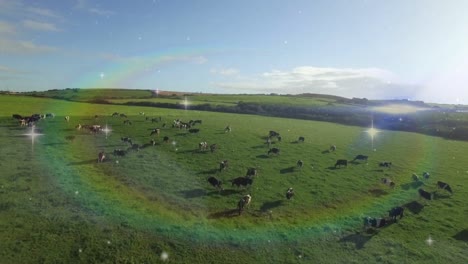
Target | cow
(155,131)
(300,163)
(153,142)
(123,115)
(275,151)
(18,117)
(203,145)
(223,165)
(194,130)
(126,139)
(251,172)
(142,113)
(289,193)
(227,129)
(268,142)
(386,164)
(273,134)
(244,202)
(166,139)
(332,148)
(388,182)
(101,156)
(426,195)
(301,139)
(426,175)
(67,118)
(154,120)
(244,181)
(415,177)
(279,138)
(361,157)
(374,222)
(396,211)
(341,162)
(445,186)
(115,114)
(50,115)
(119,152)
(135,147)
(213,147)
(78,127)
(215,183)
(127,122)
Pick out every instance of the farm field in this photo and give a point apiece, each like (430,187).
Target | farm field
(58,204)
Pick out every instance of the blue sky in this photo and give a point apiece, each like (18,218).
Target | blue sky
(374,49)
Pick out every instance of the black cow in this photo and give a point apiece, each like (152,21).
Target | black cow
(396,211)
(115,114)
(289,193)
(361,157)
(300,163)
(386,164)
(374,222)
(301,139)
(127,122)
(341,162)
(275,151)
(126,139)
(223,165)
(273,134)
(279,138)
(426,195)
(244,181)
(166,139)
(213,147)
(426,175)
(443,185)
(119,152)
(215,183)
(194,130)
(16,116)
(251,172)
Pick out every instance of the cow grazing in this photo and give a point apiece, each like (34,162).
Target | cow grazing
(388,182)
(115,114)
(332,148)
(244,202)
(119,152)
(166,139)
(50,115)
(215,183)
(227,129)
(289,193)
(301,139)
(153,142)
(18,117)
(67,118)
(361,157)
(213,147)
(251,172)
(426,195)
(244,181)
(426,175)
(78,126)
(386,164)
(300,163)
(275,151)
(445,186)
(396,211)
(101,156)
(127,122)
(194,130)
(374,222)
(273,134)
(415,177)
(155,131)
(341,162)
(223,165)
(203,145)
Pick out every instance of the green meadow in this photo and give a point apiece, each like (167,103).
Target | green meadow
(59,205)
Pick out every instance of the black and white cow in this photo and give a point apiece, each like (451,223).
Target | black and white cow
(289,193)
(301,139)
(101,156)
(388,182)
(203,145)
(332,148)
(375,222)
(445,186)
(361,157)
(223,165)
(244,181)
(213,147)
(227,129)
(244,202)
(155,131)
(426,175)
(251,172)
(300,163)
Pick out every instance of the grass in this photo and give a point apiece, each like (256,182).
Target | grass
(56,199)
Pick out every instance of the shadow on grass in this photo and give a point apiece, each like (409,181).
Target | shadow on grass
(326,151)
(412,185)
(84,162)
(358,239)
(55,144)
(263,156)
(224,214)
(194,193)
(212,171)
(462,235)
(260,147)
(414,206)
(440,196)
(110,146)
(335,168)
(266,206)
(377,192)
(225,192)
(287,170)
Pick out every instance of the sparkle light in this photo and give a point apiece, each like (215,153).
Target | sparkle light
(185,103)
(164,256)
(430,241)
(372,131)
(32,134)
(102,75)
(107,130)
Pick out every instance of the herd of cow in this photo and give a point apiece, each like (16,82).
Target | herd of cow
(246,180)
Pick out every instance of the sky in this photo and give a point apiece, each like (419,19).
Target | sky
(399,49)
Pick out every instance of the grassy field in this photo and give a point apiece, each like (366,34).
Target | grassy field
(59,205)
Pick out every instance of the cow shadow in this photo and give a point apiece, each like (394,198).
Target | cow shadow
(462,235)
(55,144)
(266,206)
(84,162)
(259,147)
(412,185)
(414,207)
(224,214)
(287,170)
(333,168)
(180,134)
(358,239)
(263,156)
(440,196)
(225,192)
(326,151)
(212,171)
(110,146)
(193,193)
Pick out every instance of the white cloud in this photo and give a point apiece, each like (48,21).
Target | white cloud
(225,71)
(23,47)
(6,69)
(6,28)
(44,12)
(101,12)
(83,5)
(40,26)
(370,83)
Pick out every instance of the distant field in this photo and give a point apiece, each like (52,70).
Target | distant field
(59,205)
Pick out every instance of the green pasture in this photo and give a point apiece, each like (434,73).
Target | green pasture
(59,205)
